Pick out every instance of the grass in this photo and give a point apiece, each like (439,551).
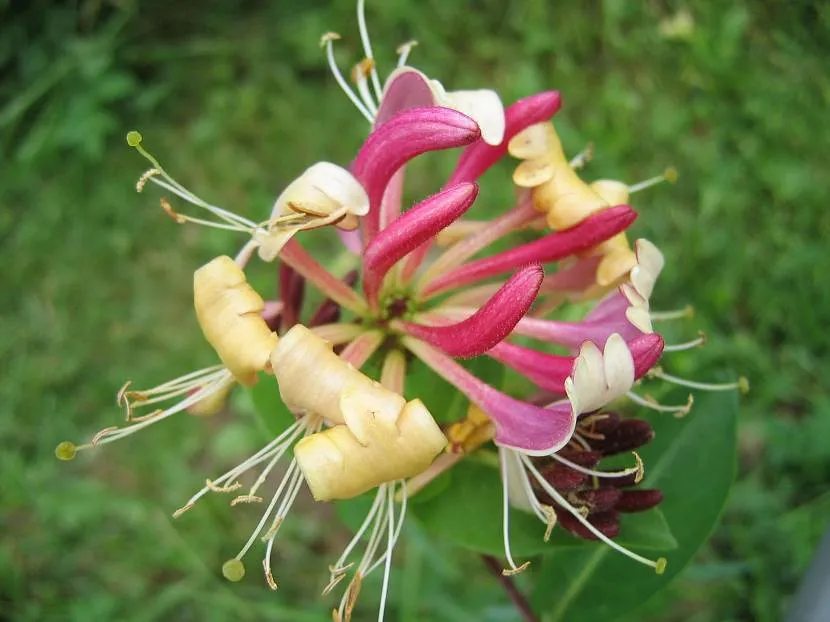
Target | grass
(236,100)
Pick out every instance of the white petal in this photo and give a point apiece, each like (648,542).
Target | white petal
(340,185)
(650,263)
(618,365)
(639,319)
(484,107)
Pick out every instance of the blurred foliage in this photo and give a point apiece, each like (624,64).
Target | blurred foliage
(236,100)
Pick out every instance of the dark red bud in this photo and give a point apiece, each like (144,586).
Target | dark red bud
(329,311)
(608,523)
(292,291)
(639,500)
(562,478)
(604,423)
(600,499)
(629,434)
(587,459)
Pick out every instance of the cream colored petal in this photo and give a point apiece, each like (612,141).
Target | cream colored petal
(532,142)
(612,192)
(337,466)
(640,319)
(484,107)
(370,411)
(650,262)
(618,367)
(532,173)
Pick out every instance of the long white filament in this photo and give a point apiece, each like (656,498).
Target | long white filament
(367,45)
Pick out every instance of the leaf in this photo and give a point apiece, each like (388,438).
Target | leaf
(271,411)
(693,461)
(444,401)
(468,512)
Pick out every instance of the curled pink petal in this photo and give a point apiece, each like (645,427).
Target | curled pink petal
(488,325)
(534,430)
(575,278)
(406,135)
(480,156)
(595,229)
(646,350)
(574,334)
(414,227)
(547,371)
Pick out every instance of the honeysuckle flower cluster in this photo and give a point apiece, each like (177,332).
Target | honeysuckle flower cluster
(424,286)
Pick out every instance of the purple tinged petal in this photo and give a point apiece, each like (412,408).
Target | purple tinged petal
(480,156)
(533,430)
(406,135)
(549,371)
(413,228)
(405,88)
(488,325)
(595,229)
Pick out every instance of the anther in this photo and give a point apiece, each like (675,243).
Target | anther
(168,209)
(509,572)
(269,576)
(145,177)
(246,499)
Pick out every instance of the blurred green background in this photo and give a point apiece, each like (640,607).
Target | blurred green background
(236,99)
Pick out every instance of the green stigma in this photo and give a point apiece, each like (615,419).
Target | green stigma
(66,451)
(660,565)
(233,570)
(743,385)
(671,175)
(134,138)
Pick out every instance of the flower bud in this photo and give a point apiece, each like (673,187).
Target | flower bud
(230,316)
(337,465)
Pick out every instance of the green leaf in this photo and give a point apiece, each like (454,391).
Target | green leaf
(468,512)
(444,401)
(271,411)
(693,461)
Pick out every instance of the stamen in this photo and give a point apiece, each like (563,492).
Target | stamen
(694,343)
(505,518)
(367,45)
(403,50)
(741,384)
(583,157)
(669,175)
(638,468)
(390,545)
(359,74)
(273,451)
(686,312)
(650,402)
(327,42)
(659,564)
(161,178)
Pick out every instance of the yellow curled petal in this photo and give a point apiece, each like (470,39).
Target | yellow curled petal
(229,312)
(532,173)
(612,192)
(532,142)
(312,378)
(337,466)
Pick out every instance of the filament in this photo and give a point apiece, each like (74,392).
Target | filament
(328,40)
(678,411)
(367,45)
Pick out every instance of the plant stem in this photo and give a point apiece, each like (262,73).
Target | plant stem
(509,586)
